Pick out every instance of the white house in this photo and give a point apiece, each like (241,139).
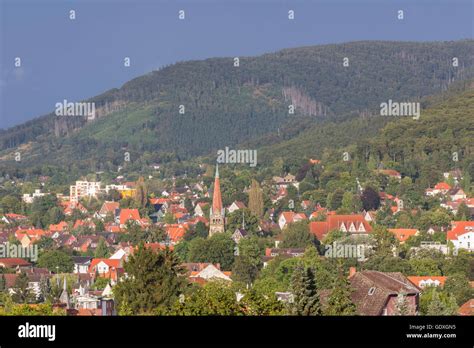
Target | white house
(462,235)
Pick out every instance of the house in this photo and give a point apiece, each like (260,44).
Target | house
(210,272)
(128,214)
(69,207)
(12,218)
(175,232)
(271,253)
(439,188)
(35,275)
(354,224)
(28,236)
(60,227)
(108,208)
(390,173)
(282,193)
(285,181)
(289,217)
(238,234)
(81,264)
(14,262)
(236,205)
(29,198)
(462,235)
(106,268)
(402,234)
(378,293)
(199,208)
(457,194)
(423,281)
(467,308)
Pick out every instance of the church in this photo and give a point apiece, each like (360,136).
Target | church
(216,217)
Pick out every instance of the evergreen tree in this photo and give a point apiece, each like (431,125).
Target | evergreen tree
(339,301)
(155,279)
(102,251)
(3,285)
(256,199)
(305,294)
(436,306)
(22,293)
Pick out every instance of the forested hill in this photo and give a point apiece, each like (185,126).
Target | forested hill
(439,141)
(226,105)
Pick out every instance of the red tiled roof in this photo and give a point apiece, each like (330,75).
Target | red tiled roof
(418,279)
(334,222)
(129,214)
(11,262)
(467,308)
(442,186)
(109,262)
(402,234)
(460,228)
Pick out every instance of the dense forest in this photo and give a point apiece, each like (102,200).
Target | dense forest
(225,105)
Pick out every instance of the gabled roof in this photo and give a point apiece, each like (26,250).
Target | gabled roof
(418,280)
(402,234)
(129,214)
(109,262)
(460,228)
(12,262)
(372,289)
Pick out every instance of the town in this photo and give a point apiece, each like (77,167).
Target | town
(224,243)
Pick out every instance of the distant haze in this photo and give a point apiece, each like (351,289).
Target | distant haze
(77,59)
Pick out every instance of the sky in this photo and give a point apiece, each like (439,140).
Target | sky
(78,59)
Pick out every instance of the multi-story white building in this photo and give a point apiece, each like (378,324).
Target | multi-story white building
(84,189)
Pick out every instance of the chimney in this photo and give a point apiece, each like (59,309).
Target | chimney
(352,271)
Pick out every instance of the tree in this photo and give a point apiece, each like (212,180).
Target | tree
(438,305)
(141,193)
(297,236)
(198,230)
(463,213)
(102,251)
(339,301)
(217,249)
(256,199)
(214,298)
(10,204)
(305,294)
(254,302)
(244,270)
(370,199)
(22,294)
(234,220)
(155,279)
(56,261)
(3,285)
(458,285)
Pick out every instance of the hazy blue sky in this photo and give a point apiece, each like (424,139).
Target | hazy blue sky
(74,60)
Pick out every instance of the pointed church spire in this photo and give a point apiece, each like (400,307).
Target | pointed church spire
(216,196)
(217,211)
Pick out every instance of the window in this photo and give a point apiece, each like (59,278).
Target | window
(371,291)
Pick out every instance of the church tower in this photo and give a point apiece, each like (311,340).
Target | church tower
(217,212)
